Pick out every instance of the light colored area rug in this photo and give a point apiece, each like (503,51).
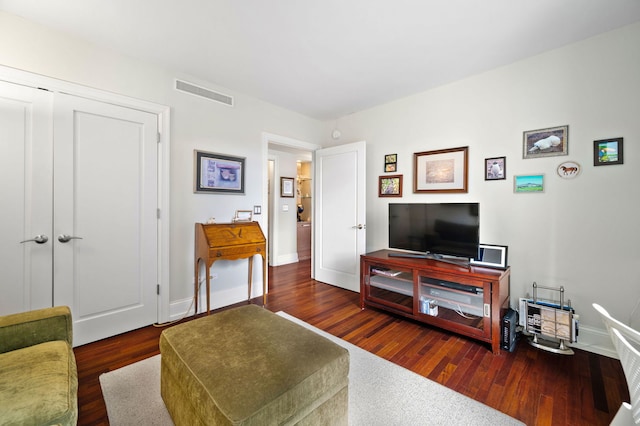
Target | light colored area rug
(380,393)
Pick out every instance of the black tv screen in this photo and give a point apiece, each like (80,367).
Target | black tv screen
(451,229)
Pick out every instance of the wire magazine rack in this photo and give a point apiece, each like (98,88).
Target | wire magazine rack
(550,319)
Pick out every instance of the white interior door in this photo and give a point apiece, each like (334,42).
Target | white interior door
(26,193)
(340,215)
(105,209)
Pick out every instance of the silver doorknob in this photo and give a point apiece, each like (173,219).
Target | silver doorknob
(359,226)
(38,239)
(64,238)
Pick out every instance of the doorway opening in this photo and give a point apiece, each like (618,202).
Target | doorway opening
(285,158)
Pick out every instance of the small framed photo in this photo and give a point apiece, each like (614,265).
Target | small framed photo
(391,163)
(390,186)
(286,187)
(608,152)
(243,216)
(528,184)
(218,173)
(546,142)
(495,168)
(443,171)
(491,256)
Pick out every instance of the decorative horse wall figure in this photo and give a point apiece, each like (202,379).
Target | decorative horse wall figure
(569,170)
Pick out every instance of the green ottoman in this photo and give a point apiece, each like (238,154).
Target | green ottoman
(248,366)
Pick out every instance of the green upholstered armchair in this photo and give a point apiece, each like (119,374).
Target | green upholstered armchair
(38,375)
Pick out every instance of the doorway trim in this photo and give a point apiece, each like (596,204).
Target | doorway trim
(284,141)
(15,76)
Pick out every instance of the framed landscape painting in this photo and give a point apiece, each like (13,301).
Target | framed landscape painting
(528,184)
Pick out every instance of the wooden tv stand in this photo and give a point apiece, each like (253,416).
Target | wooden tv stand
(470,300)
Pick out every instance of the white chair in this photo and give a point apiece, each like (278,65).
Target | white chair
(627,343)
(630,359)
(610,321)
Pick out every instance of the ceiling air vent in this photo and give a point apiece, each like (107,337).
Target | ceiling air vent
(183,86)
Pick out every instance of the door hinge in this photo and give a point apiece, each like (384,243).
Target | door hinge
(159,137)
(158,213)
(158,289)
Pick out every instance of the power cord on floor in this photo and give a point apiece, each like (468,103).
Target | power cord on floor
(186,314)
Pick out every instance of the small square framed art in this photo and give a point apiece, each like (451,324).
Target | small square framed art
(390,186)
(608,152)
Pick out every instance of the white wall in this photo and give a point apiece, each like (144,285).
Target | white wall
(582,234)
(195,124)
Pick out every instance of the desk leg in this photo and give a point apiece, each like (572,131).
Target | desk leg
(250,275)
(264,281)
(208,290)
(195,288)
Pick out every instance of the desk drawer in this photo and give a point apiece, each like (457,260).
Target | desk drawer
(236,252)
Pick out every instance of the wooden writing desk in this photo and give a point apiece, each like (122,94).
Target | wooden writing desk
(229,241)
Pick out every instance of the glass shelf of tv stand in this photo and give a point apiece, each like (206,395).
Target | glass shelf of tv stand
(463,305)
(392,287)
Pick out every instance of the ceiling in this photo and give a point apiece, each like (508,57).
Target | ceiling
(329,58)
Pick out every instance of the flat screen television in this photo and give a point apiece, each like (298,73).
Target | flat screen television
(450,229)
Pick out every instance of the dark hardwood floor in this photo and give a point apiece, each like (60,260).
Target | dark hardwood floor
(534,386)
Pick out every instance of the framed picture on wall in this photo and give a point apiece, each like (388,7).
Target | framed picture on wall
(286,187)
(545,142)
(391,162)
(568,170)
(443,171)
(607,152)
(218,173)
(390,186)
(495,168)
(528,184)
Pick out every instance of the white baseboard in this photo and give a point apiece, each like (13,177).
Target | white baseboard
(285,259)
(181,308)
(595,340)
(592,340)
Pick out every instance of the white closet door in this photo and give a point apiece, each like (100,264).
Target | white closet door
(105,209)
(26,193)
